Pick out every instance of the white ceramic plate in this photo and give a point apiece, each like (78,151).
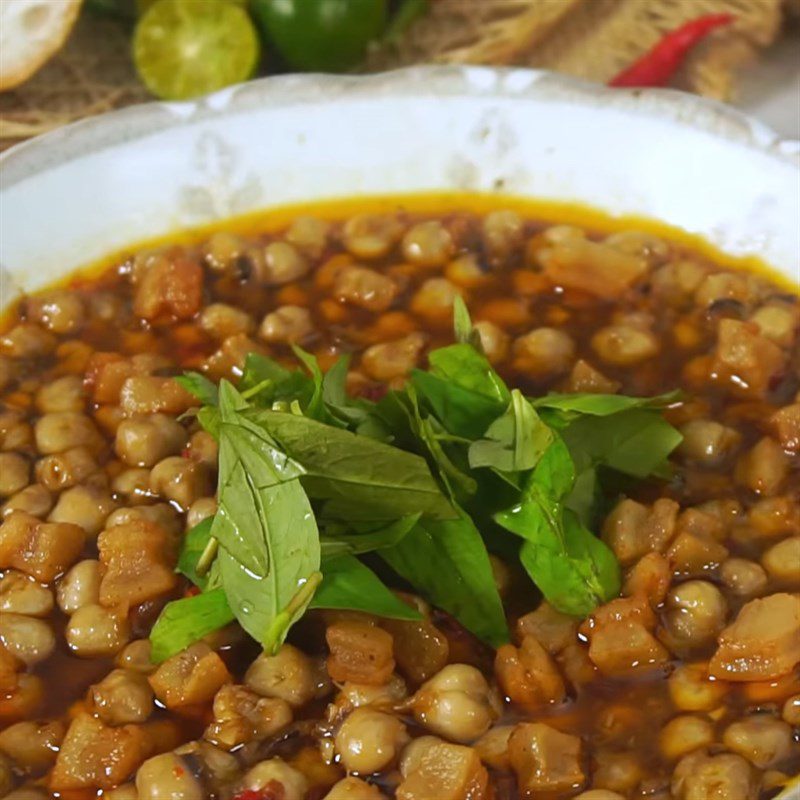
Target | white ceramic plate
(72,196)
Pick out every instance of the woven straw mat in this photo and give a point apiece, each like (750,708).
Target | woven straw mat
(92,74)
(592,39)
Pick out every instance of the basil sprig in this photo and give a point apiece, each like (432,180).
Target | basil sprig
(430,479)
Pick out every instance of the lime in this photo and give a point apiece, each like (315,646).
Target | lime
(186,48)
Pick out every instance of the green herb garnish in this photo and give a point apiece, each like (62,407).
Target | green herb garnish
(429,480)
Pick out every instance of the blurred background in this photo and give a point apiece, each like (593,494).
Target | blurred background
(63,60)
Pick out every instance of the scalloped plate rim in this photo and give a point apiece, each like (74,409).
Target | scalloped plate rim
(116,127)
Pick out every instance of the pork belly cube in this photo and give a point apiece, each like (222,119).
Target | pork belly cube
(241,715)
(786,425)
(742,351)
(360,652)
(104,376)
(592,267)
(620,637)
(107,372)
(649,577)
(695,553)
(446,772)
(95,756)
(190,677)
(528,675)
(553,629)
(42,550)
(544,759)
(137,561)
(169,287)
(632,530)
(762,643)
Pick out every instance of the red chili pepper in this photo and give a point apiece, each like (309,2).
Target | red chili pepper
(658,65)
(274,790)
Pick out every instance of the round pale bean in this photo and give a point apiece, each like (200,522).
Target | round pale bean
(94,632)
(29,639)
(79,587)
(20,594)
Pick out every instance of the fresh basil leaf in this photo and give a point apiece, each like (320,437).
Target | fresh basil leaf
(333,548)
(355,413)
(515,441)
(194,545)
(447,563)
(636,442)
(334,394)
(358,477)
(602,405)
(349,584)
(374,427)
(458,482)
(461,411)
(463,329)
(210,419)
(334,383)
(431,435)
(574,569)
(577,577)
(585,497)
(315,407)
(357,538)
(249,467)
(231,400)
(266,528)
(183,622)
(199,386)
(269,381)
(258,369)
(467,368)
(267,606)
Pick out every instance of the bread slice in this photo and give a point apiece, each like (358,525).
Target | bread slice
(30,32)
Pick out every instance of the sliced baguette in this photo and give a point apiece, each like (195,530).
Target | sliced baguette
(31,31)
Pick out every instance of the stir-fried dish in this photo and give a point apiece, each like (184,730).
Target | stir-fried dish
(457,506)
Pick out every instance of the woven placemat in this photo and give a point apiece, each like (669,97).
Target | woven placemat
(92,74)
(592,39)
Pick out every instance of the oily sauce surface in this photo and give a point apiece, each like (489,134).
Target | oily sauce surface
(736,482)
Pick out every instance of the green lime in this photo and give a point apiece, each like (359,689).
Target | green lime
(187,48)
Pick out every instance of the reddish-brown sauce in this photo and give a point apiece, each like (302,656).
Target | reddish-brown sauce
(507,281)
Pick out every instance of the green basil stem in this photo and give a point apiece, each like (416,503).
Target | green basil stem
(300,600)
(207,557)
(254,390)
